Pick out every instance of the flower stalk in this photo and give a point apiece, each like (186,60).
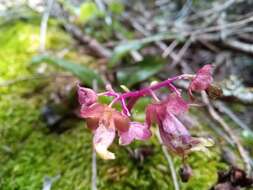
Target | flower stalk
(105,121)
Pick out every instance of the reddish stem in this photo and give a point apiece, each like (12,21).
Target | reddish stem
(143,92)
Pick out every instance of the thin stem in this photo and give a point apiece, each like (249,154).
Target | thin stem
(94,159)
(114,101)
(146,91)
(173,88)
(154,96)
(94,170)
(43,25)
(125,110)
(142,92)
(170,162)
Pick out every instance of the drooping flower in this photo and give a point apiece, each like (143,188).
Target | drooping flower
(104,121)
(136,131)
(202,80)
(173,133)
(86,96)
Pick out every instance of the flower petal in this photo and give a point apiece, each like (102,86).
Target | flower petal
(103,138)
(150,114)
(93,111)
(155,112)
(92,123)
(174,127)
(176,104)
(174,135)
(137,131)
(121,121)
(86,96)
(202,145)
(202,80)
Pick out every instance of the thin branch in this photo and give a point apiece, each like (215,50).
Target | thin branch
(224,109)
(169,49)
(91,43)
(94,159)
(94,170)
(43,25)
(244,154)
(33,77)
(230,25)
(181,53)
(160,44)
(218,8)
(241,46)
(170,162)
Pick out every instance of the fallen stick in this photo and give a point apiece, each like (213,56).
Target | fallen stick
(244,154)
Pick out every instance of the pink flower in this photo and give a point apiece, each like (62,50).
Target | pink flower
(173,133)
(136,131)
(202,79)
(104,121)
(86,96)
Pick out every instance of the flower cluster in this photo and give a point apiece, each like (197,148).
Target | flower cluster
(105,121)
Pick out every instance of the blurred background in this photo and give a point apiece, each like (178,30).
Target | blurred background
(47,46)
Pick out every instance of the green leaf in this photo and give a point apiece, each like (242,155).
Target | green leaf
(85,74)
(141,71)
(116,7)
(247,137)
(124,48)
(88,10)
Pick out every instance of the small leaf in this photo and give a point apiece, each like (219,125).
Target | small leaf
(247,136)
(116,7)
(141,71)
(124,88)
(125,47)
(122,50)
(85,74)
(88,10)
(153,83)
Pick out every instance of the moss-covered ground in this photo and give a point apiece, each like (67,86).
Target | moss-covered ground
(29,152)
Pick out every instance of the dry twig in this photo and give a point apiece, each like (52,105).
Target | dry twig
(94,157)
(95,47)
(94,171)
(43,25)
(224,109)
(181,53)
(244,154)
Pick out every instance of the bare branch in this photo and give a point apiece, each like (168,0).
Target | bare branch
(91,43)
(248,48)
(94,159)
(224,109)
(43,25)
(244,154)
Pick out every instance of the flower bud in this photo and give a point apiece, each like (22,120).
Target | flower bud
(214,91)
(185,173)
(202,79)
(86,96)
